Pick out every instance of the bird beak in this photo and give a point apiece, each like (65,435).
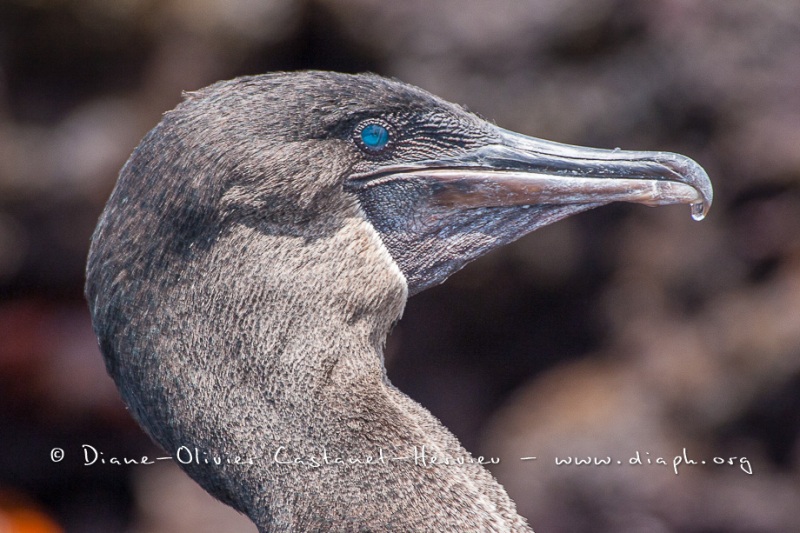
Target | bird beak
(522,171)
(437,215)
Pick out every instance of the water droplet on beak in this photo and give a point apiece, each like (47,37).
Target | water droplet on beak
(698,211)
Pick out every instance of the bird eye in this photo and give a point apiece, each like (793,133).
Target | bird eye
(374,136)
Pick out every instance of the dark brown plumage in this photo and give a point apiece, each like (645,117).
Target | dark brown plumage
(256,251)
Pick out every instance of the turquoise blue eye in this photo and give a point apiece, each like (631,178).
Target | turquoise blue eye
(375,137)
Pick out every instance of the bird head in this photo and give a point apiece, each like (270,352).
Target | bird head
(439,184)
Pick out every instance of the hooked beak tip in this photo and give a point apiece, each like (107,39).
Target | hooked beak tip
(692,174)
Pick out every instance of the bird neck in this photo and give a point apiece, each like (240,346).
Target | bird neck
(280,400)
(265,341)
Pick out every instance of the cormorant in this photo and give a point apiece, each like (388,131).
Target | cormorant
(259,245)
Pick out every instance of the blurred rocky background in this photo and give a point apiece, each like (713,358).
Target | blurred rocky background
(623,332)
